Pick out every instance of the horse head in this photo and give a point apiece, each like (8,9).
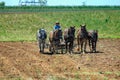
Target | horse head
(83,31)
(71,31)
(83,27)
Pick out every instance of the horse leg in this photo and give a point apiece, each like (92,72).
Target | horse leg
(78,42)
(54,47)
(81,47)
(43,46)
(94,46)
(51,47)
(40,46)
(66,47)
(85,43)
(71,47)
(90,45)
(57,49)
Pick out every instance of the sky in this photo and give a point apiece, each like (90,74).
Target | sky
(69,2)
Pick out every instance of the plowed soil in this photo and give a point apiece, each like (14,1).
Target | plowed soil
(22,61)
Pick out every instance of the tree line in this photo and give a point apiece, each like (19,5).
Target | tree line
(2,4)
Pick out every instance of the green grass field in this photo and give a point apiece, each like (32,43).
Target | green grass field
(23,26)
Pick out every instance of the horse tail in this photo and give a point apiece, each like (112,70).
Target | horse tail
(51,36)
(65,33)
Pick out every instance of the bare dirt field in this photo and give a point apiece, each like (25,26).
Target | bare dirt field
(22,61)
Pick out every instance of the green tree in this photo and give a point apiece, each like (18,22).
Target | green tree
(43,2)
(2,4)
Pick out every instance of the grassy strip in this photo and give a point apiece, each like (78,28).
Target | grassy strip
(23,27)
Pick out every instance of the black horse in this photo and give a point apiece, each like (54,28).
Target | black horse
(69,35)
(55,38)
(82,37)
(93,37)
(41,37)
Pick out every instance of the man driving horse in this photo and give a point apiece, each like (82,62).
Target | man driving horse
(57,26)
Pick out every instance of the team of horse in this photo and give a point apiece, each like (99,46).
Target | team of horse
(57,37)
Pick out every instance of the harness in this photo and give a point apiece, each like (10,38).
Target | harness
(57,35)
(43,34)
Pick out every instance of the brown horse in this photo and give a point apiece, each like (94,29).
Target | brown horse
(93,37)
(82,37)
(55,38)
(69,35)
